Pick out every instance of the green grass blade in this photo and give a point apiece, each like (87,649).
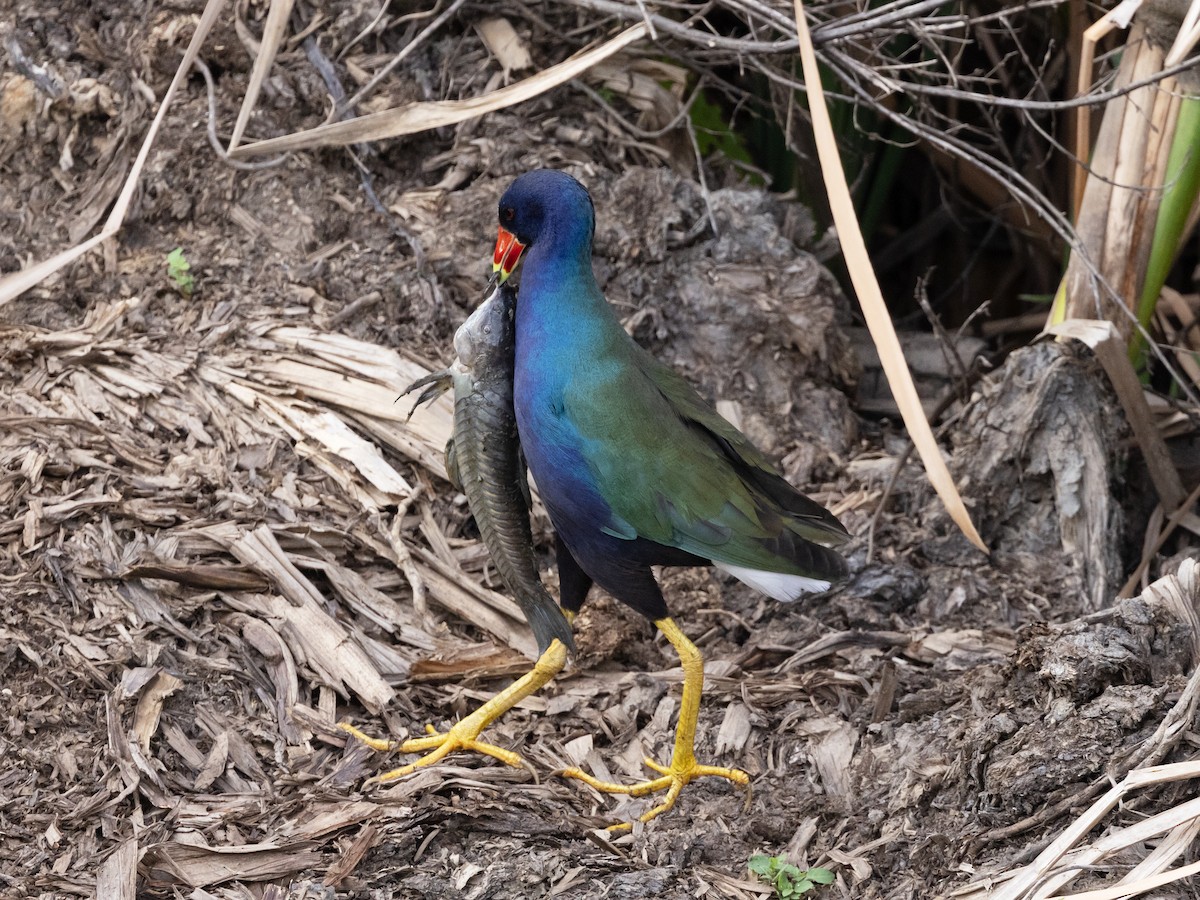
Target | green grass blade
(1180,189)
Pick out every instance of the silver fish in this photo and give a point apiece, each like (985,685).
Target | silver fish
(483,458)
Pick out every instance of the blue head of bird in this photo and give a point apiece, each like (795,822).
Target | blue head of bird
(550,214)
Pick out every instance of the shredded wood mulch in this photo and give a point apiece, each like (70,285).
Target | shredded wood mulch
(222,535)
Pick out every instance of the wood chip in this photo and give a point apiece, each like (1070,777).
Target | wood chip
(735,729)
(505,44)
(214,763)
(117,878)
(149,707)
(833,753)
(367,837)
(311,634)
(198,865)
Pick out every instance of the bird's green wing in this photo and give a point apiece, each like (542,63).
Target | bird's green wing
(675,472)
(811,520)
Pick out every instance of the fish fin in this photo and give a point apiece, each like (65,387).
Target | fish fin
(435,384)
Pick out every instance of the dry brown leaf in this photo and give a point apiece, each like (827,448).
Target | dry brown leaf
(367,837)
(214,764)
(149,707)
(267,641)
(462,597)
(117,878)
(1117,17)
(491,663)
(833,753)
(311,634)
(735,729)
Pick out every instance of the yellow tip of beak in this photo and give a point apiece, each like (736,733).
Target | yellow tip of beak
(507,254)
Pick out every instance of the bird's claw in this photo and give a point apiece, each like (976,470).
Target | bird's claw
(461,736)
(674,778)
(465,733)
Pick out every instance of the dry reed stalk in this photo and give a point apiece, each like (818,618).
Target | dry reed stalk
(1121,198)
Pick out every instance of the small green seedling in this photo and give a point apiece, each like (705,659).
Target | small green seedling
(180,271)
(788,880)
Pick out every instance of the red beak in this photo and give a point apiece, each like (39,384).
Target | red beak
(507,255)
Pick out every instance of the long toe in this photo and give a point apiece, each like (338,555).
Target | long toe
(464,735)
(436,746)
(674,778)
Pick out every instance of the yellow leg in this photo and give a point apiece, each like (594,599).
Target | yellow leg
(462,736)
(683,767)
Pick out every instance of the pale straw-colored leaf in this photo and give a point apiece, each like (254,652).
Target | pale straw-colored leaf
(17,283)
(1150,883)
(117,877)
(1118,17)
(273,30)
(416,117)
(870,297)
(1188,37)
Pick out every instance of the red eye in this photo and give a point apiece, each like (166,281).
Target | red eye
(508,214)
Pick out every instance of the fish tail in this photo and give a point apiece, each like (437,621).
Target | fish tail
(547,622)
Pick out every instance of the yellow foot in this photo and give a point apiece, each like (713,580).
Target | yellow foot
(673,779)
(461,737)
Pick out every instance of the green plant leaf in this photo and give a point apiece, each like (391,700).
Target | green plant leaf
(179,271)
(1181,188)
(714,133)
(788,880)
(783,883)
(761,864)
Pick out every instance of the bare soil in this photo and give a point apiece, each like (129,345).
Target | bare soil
(195,590)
